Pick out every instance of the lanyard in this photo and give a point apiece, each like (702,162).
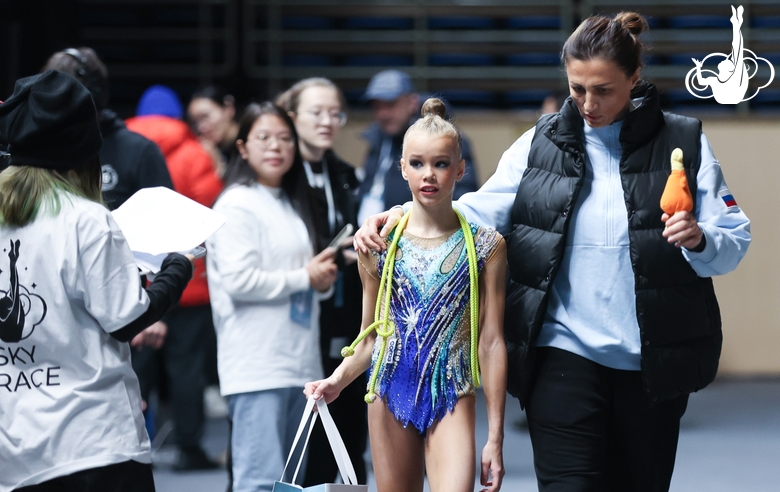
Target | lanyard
(323,181)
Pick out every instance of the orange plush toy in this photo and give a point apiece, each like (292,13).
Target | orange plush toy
(676,196)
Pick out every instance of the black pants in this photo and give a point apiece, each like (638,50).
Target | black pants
(595,429)
(189,345)
(129,476)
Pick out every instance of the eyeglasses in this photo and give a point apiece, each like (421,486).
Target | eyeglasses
(336,117)
(283,141)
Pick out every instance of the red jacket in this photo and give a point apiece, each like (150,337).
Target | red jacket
(193,175)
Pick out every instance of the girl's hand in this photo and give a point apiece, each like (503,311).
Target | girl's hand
(682,230)
(322,270)
(324,387)
(492,473)
(367,236)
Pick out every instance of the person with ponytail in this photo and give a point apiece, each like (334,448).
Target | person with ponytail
(316,106)
(611,318)
(431,333)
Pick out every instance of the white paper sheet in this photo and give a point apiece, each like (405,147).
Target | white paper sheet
(158,221)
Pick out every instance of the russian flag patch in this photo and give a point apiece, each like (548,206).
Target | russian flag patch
(729,200)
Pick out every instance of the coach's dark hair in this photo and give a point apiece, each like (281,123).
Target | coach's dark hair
(614,39)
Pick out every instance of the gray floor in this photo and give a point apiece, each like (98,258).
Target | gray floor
(730,441)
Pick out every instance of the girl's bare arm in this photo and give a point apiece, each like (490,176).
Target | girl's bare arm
(355,365)
(493,363)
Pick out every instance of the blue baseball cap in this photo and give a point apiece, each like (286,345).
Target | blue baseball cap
(388,85)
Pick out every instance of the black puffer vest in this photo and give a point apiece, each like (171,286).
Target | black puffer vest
(678,315)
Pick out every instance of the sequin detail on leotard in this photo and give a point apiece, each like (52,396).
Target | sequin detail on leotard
(427,361)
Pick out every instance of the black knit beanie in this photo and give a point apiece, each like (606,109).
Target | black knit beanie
(50,121)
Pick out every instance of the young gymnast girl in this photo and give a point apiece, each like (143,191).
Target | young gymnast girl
(433,305)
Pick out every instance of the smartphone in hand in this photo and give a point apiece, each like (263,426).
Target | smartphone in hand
(197,252)
(344,233)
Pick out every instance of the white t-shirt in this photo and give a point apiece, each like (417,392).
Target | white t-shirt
(265,312)
(69,400)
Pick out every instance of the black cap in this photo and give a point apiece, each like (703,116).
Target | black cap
(50,121)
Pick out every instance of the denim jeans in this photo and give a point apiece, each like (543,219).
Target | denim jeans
(264,425)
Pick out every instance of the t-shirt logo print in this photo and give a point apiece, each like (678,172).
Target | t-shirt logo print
(20,310)
(110,177)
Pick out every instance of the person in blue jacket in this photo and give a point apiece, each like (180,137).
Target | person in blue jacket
(611,318)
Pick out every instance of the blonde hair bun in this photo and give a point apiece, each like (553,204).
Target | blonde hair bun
(435,107)
(429,124)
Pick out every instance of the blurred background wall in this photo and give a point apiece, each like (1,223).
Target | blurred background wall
(495,61)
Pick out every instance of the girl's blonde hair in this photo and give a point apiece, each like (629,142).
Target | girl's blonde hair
(434,122)
(25,189)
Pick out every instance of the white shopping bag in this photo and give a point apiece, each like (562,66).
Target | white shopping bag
(346,469)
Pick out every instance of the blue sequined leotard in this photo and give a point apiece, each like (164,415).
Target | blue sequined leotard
(427,361)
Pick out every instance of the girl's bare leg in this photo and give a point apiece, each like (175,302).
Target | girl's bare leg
(397,452)
(450,453)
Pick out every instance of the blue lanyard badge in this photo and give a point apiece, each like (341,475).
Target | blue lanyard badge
(301,306)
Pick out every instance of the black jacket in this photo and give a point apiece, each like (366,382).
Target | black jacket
(344,184)
(130,161)
(341,314)
(677,312)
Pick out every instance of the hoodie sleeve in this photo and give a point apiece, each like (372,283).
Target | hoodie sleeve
(726,227)
(491,205)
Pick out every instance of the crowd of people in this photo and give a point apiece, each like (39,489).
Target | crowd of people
(560,280)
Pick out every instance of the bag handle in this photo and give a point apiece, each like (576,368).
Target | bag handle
(307,413)
(343,461)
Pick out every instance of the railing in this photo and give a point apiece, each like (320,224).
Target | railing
(487,53)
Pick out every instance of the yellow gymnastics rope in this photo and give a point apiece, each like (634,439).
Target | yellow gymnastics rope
(384,327)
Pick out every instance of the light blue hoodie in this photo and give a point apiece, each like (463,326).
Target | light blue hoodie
(592,306)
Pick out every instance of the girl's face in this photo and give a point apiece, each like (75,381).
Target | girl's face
(432,166)
(211,121)
(269,149)
(318,117)
(600,89)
